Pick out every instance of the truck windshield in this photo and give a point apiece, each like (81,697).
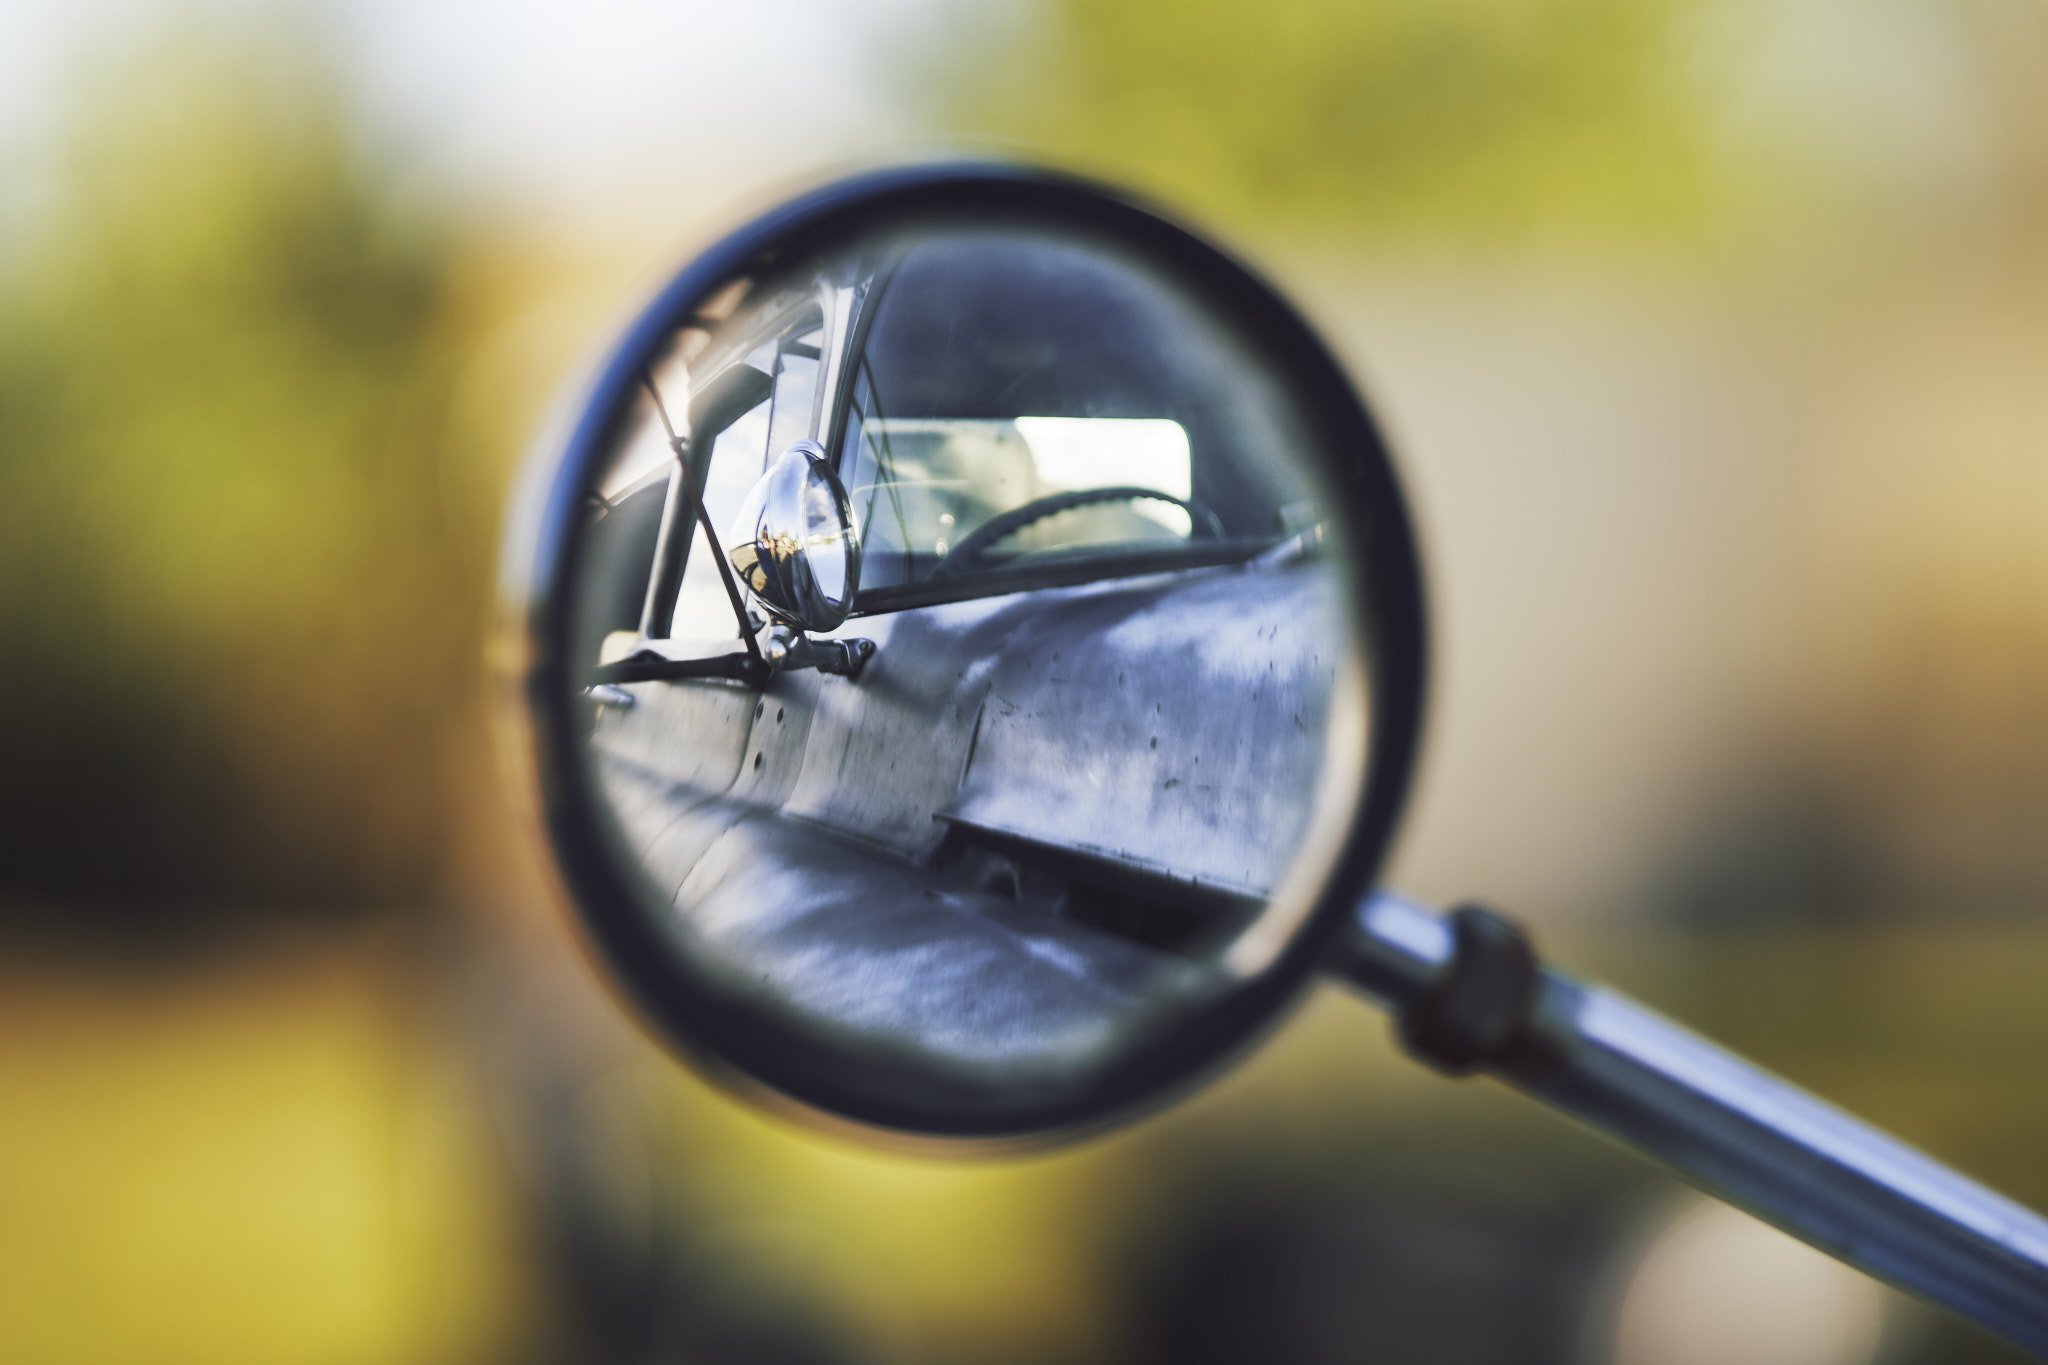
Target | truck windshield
(1021,402)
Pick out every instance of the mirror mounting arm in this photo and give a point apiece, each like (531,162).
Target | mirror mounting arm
(784,647)
(685,511)
(1468,994)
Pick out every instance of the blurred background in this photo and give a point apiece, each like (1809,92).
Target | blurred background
(1712,336)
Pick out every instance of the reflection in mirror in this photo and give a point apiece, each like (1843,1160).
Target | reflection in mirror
(794,546)
(968,664)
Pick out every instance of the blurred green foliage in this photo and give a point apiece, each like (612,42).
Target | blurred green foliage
(241,592)
(1474,117)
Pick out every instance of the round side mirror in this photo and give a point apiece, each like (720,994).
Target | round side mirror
(1090,679)
(1097,767)
(794,546)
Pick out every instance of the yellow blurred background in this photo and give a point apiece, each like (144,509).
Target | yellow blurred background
(1712,338)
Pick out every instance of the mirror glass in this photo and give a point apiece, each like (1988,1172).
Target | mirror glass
(1037,800)
(795,548)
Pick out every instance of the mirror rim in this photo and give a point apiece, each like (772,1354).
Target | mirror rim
(1385,585)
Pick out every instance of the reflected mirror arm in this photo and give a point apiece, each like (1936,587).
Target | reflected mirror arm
(1468,994)
(676,521)
(725,576)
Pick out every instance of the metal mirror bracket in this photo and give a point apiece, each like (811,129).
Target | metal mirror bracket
(1468,994)
(786,647)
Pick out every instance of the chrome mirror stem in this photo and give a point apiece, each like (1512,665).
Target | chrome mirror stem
(785,647)
(1468,995)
